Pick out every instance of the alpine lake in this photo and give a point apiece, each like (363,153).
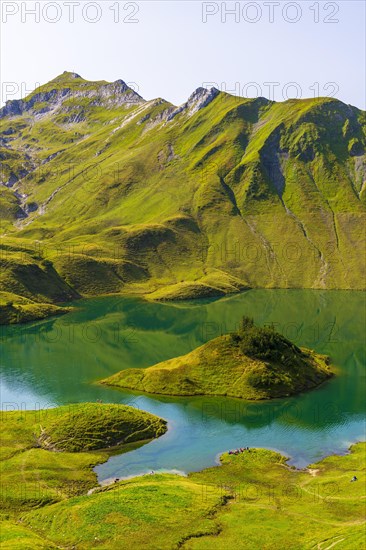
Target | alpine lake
(60,361)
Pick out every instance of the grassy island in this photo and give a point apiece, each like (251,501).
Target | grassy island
(251,363)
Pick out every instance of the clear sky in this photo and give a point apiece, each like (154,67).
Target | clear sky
(169,48)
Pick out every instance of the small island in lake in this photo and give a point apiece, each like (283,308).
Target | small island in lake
(251,363)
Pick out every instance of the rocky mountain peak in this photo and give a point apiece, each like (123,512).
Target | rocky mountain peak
(70,85)
(68,75)
(196,101)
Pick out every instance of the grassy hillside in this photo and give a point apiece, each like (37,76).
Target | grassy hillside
(46,502)
(252,363)
(91,427)
(219,508)
(17,309)
(48,455)
(29,284)
(315,508)
(120,194)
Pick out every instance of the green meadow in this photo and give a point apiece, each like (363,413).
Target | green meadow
(47,501)
(47,455)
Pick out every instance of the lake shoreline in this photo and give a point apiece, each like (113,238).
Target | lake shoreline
(108,482)
(61,308)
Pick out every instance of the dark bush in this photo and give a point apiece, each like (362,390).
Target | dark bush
(262,343)
(264,379)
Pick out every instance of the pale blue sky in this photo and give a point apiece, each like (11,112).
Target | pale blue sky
(170,51)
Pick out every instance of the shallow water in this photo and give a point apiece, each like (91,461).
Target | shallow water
(59,360)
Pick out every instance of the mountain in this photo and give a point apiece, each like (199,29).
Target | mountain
(103,191)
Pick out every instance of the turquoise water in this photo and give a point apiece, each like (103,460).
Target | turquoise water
(59,361)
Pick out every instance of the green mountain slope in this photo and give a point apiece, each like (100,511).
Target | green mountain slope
(219,194)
